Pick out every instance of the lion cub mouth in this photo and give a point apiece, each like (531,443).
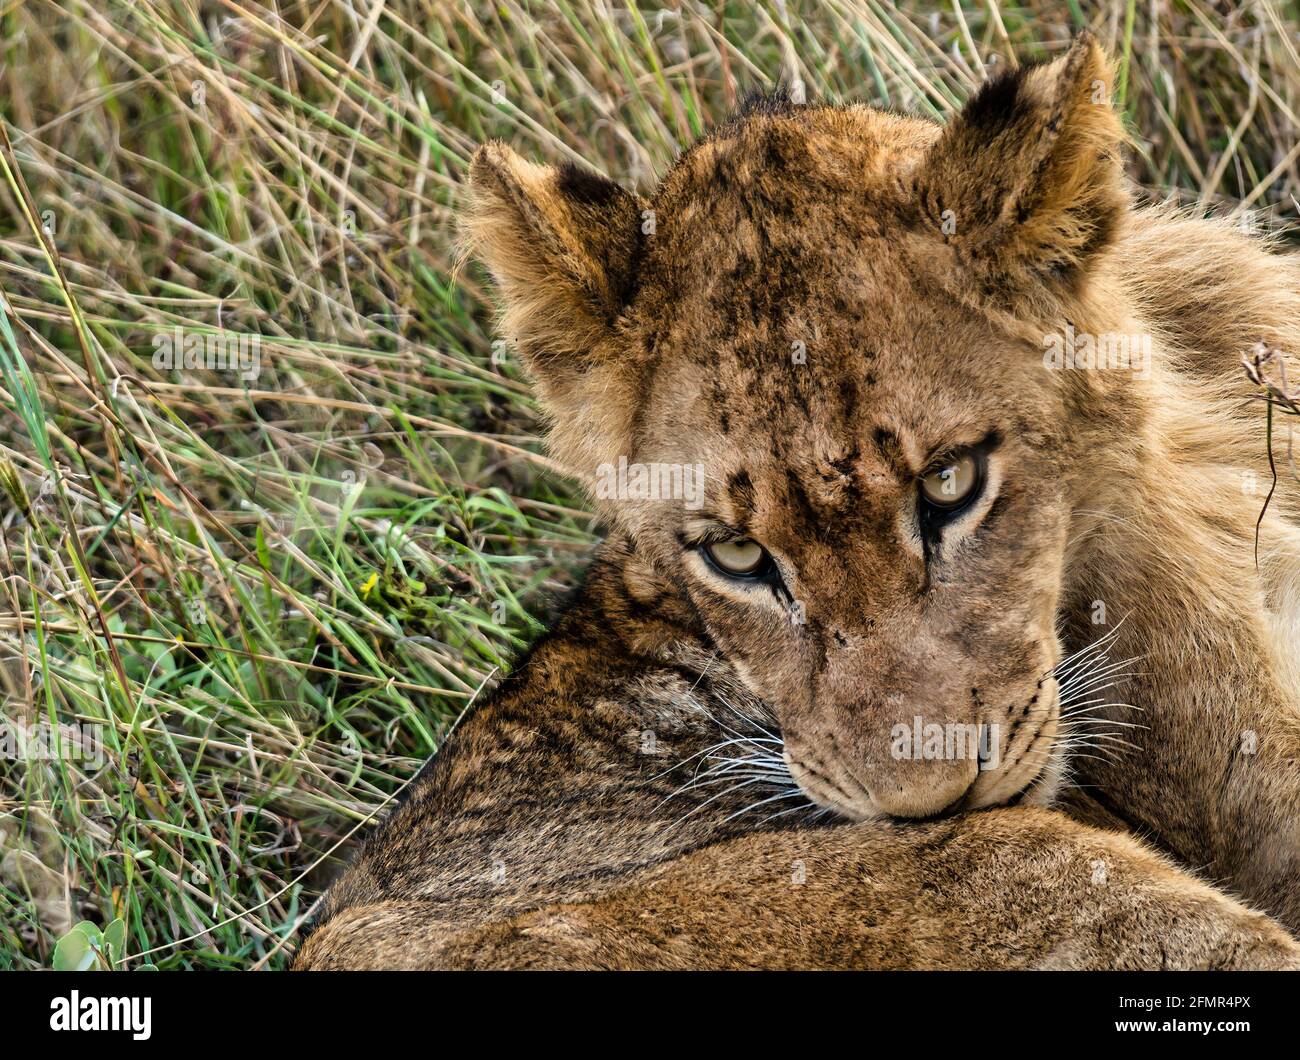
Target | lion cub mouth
(1033,777)
(1083,695)
(754,758)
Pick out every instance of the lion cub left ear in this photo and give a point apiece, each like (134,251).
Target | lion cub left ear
(1026,182)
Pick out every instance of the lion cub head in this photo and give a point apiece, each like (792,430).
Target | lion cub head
(806,377)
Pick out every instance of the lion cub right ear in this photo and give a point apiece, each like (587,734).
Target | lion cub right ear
(562,243)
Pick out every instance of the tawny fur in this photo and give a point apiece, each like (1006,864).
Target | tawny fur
(813,304)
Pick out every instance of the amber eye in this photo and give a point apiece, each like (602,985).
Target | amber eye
(739,557)
(954,483)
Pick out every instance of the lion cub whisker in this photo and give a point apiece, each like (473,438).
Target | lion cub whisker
(791,793)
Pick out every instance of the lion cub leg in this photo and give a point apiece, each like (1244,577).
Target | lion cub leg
(1013,888)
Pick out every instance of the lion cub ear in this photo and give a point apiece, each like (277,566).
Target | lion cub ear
(1026,183)
(562,244)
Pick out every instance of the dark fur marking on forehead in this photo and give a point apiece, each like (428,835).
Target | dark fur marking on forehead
(803,383)
(740,488)
(890,449)
(718,399)
(846,464)
(886,441)
(799,501)
(848,390)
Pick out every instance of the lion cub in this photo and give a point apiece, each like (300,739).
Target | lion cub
(912,440)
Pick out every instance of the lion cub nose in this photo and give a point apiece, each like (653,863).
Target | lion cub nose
(935,789)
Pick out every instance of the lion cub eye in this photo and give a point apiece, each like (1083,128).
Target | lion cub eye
(954,483)
(740,557)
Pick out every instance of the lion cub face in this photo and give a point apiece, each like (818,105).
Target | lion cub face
(880,542)
(806,376)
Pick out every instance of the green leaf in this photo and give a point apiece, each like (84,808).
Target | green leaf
(115,940)
(75,952)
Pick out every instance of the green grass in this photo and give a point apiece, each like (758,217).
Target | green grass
(271,596)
